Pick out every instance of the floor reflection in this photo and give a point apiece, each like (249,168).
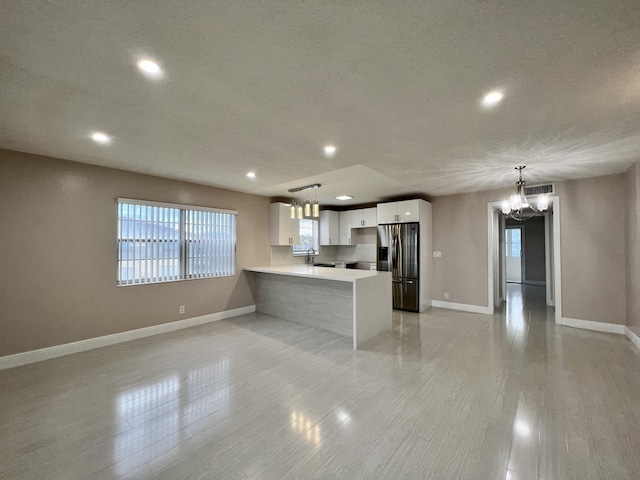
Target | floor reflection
(305,425)
(158,413)
(522,302)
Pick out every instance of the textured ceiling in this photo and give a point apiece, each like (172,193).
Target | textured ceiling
(263,86)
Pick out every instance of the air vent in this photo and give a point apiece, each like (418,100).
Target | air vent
(539,189)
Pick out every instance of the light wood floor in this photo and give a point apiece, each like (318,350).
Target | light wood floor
(444,395)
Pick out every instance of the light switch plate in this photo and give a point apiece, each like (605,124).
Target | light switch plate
(437,254)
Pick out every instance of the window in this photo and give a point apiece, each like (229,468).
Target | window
(308,237)
(159,242)
(513,242)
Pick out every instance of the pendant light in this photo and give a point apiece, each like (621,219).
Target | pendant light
(307,206)
(518,207)
(300,211)
(316,206)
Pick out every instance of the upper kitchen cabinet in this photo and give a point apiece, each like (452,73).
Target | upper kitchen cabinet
(364,217)
(329,227)
(284,229)
(345,228)
(399,212)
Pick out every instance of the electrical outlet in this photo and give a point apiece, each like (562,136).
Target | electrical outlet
(181,309)
(446,295)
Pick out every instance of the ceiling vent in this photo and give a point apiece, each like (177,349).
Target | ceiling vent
(539,189)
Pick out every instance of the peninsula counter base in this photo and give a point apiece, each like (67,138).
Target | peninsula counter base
(353,303)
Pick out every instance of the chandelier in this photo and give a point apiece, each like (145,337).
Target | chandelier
(306,209)
(518,207)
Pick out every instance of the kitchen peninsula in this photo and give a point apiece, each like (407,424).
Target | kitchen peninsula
(352,303)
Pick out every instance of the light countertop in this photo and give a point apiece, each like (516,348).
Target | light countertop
(321,273)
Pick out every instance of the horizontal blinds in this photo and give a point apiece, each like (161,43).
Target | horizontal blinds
(157,243)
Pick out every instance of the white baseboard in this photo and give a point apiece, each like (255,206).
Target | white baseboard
(635,339)
(463,307)
(32,356)
(597,326)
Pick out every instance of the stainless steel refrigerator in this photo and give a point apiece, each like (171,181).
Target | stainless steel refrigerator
(398,253)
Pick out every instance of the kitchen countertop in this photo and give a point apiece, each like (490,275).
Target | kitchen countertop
(321,273)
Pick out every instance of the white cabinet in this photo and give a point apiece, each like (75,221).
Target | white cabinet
(284,229)
(345,228)
(329,227)
(364,217)
(399,212)
(387,213)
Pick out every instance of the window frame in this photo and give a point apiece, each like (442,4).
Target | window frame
(315,235)
(185,244)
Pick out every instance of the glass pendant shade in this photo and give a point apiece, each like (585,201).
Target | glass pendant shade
(293,210)
(307,208)
(543,203)
(316,209)
(299,211)
(506,207)
(516,202)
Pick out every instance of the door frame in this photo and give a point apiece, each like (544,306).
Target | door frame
(493,232)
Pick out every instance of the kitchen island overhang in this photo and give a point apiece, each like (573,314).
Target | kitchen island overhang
(352,303)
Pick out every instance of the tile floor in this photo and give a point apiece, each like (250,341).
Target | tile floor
(443,395)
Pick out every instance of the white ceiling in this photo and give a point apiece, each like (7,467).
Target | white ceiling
(263,86)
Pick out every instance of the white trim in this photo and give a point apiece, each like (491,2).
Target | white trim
(179,206)
(554,203)
(631,335)
(462,307)
(590,325)
(32,356)
(548,244)
(492,226)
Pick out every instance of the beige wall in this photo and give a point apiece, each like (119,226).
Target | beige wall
(632,237)
(460,233)
(58,256)
(592,247)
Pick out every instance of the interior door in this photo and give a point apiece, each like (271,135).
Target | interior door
(513,240)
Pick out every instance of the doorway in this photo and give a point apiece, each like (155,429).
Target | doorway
(497,246)
(514,258)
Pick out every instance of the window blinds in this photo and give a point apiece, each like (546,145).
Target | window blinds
(166,242)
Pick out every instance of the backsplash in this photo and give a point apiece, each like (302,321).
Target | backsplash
(362,253)
(281,255)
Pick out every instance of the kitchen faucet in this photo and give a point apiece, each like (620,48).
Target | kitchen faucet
(309,258)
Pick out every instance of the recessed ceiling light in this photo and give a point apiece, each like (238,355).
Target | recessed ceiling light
(149,68)
(101,138)
(329,150)
(344,197)
(492,98)
(251,174)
